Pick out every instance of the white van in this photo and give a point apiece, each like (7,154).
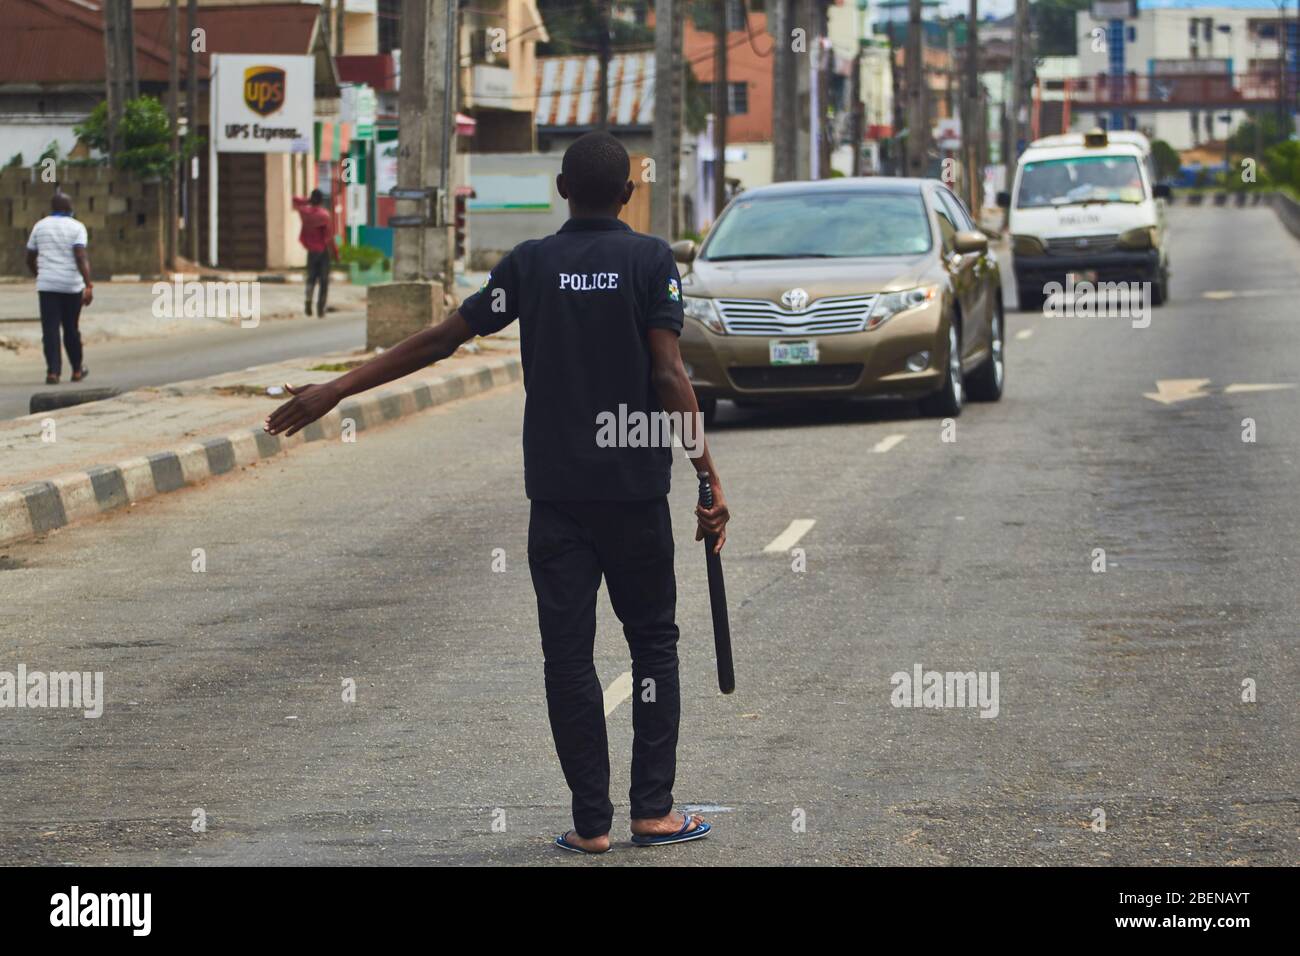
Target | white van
(1087,206)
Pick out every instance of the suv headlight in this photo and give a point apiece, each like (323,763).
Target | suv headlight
(1142,238)
(890,304)
(1027,246)
(704,312)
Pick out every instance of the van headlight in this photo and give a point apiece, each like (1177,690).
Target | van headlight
(704,312)
(889,304)
(1027,246)
(1143,238)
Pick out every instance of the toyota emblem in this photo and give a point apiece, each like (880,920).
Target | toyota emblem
(796,299)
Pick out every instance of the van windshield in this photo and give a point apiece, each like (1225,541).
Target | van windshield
(1080,179)
(821,225)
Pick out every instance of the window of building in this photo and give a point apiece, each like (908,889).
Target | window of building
(737,97)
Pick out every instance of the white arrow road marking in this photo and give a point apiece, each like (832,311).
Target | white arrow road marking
(787,539)
(1024,334)
(886,443)
(618,692)
(1170,390)
(1232,389)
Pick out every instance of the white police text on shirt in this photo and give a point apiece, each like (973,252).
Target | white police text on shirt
(588,282)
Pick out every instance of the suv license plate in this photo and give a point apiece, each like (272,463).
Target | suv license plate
(793,353)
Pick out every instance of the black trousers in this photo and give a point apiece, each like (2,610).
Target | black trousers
(60,311)
(318,271)
(571,545)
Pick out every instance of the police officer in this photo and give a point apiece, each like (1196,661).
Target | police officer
(599,308)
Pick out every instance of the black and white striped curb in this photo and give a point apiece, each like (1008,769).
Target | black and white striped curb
(42,506)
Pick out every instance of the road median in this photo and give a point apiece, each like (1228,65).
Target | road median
(68,465)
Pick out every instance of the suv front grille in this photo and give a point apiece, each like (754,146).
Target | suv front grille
(794,376)
(1080,245)
(828,316)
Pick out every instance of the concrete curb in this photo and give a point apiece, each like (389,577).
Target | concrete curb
(43,506)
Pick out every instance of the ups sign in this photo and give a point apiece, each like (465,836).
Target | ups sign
(264,89)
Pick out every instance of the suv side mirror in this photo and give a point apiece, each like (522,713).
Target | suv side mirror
(1162,191)
(1004,200)
(969,241)
(683,250)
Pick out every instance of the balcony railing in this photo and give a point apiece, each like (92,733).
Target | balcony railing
(1183,91)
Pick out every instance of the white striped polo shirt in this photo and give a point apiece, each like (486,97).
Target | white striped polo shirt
(56,266)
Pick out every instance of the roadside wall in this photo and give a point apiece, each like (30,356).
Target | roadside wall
(123,217)
(1288,210)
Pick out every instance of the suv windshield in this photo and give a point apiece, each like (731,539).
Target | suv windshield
(1080,179)
(821,225)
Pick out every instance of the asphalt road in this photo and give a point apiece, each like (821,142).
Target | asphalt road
(1118,691)
(136,363)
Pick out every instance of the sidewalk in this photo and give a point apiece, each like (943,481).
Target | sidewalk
(64,466)
(125,310)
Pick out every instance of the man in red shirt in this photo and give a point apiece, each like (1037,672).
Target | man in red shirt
(317,237)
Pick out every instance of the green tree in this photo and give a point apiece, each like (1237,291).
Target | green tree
(1166,158)
(146,135)
(1260,132)
(1282,165)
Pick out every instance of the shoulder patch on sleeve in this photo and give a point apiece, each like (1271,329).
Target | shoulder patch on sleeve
(674,290)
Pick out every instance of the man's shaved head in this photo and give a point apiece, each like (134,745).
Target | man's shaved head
(60,203)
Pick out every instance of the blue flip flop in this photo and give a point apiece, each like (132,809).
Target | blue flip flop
(564,844)
(681,836)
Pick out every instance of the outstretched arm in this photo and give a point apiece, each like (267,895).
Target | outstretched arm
(411,354)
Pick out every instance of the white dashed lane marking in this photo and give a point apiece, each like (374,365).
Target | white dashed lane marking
(1024,334)
(618,692)
(886,443)
(788,538)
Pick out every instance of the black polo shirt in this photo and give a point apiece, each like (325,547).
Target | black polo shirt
(586,299)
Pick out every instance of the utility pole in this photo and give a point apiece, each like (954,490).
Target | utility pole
(896,117)
(427,116)
(1283,81)
(679,100)
(1019,51)
(173,114)
(783,96)
(971,119)
(915,79)
(719,106)
(602,46)
(327,23)
(820,160)
(800,115)
(192,126)
(856,124)
(340,8)
(119,62)
(663,191)
(950,74)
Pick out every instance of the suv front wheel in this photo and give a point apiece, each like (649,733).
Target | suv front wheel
(986,381)
(947,401)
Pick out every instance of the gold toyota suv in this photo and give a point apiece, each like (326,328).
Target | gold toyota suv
(841,288)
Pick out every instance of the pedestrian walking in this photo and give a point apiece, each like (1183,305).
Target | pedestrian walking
(317,237)
(600,311)
(56,256)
